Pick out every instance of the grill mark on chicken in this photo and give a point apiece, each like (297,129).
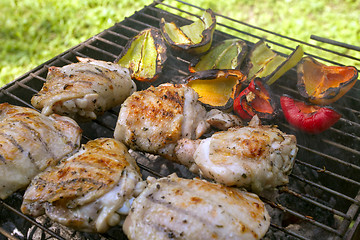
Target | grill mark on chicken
(154,119)
(85,173)
(86,195)
(13,141)
(37,136)
(67,185)
(176,208)
(168,205)
(100,73)
(196,200)
(37,122)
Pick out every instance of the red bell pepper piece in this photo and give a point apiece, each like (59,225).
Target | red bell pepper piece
(308,117)
(255,99)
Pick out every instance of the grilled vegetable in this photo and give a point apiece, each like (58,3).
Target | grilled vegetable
(265,63)
(144,55)
(194,38)
(217,88)
(323,84)
(256,99)
(228,54)
(308,117)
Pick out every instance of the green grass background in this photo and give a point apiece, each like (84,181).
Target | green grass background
(33,31)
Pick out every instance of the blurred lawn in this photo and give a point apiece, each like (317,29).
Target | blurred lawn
(33,31)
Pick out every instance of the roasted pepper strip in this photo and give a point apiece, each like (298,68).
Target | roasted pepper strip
(228,54)
(145,55)
(216,88)
(195,38)
(322,84)
(308,117)
(255,99)
(267,64)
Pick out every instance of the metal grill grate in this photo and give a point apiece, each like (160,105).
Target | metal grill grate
(322,199)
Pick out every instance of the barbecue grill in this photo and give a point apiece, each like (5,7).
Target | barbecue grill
(323,197)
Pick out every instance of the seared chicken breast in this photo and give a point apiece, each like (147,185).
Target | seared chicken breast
(30,142)
(85,191)
(84,90)
(177,208)
(153,120)
(256,157)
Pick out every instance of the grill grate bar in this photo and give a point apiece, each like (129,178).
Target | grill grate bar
(100,50)
(52,233)
(127,28)
(341,146)
(273,225)
(146,25)
(309,200)
(77,53)
(353,209)
(326,189)
(301,216)
(16,98)
(324,171)
(108,42)
(337,160)
(336,43)
(37,77)
(119,35)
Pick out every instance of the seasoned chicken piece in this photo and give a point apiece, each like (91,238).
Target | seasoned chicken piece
(30,142)
(177,208)
(256,157)
(85,191)
(84,90)
(153,120)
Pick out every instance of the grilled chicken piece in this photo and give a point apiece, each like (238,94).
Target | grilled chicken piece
(153,120)
(85,191)
(256,157)
(84,90)
(177,208)
(30,142)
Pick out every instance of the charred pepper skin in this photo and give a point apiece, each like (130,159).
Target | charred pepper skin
(256,99)
(309,118)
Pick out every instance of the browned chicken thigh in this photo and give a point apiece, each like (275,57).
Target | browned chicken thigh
(177,208)
(256,156)
(30,142)
(84,90)
(153,120)
(87,190)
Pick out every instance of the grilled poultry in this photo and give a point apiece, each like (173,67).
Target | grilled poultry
(177,208)
(85,191)
(30,142)
(84,90)
(256,157)
(153,120)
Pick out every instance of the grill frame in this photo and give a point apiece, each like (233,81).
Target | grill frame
(314,173)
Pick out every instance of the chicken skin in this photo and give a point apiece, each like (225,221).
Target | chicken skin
(256,157)
(30,142)
(177,208)
(85,191)
(153,120)
(84,90)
